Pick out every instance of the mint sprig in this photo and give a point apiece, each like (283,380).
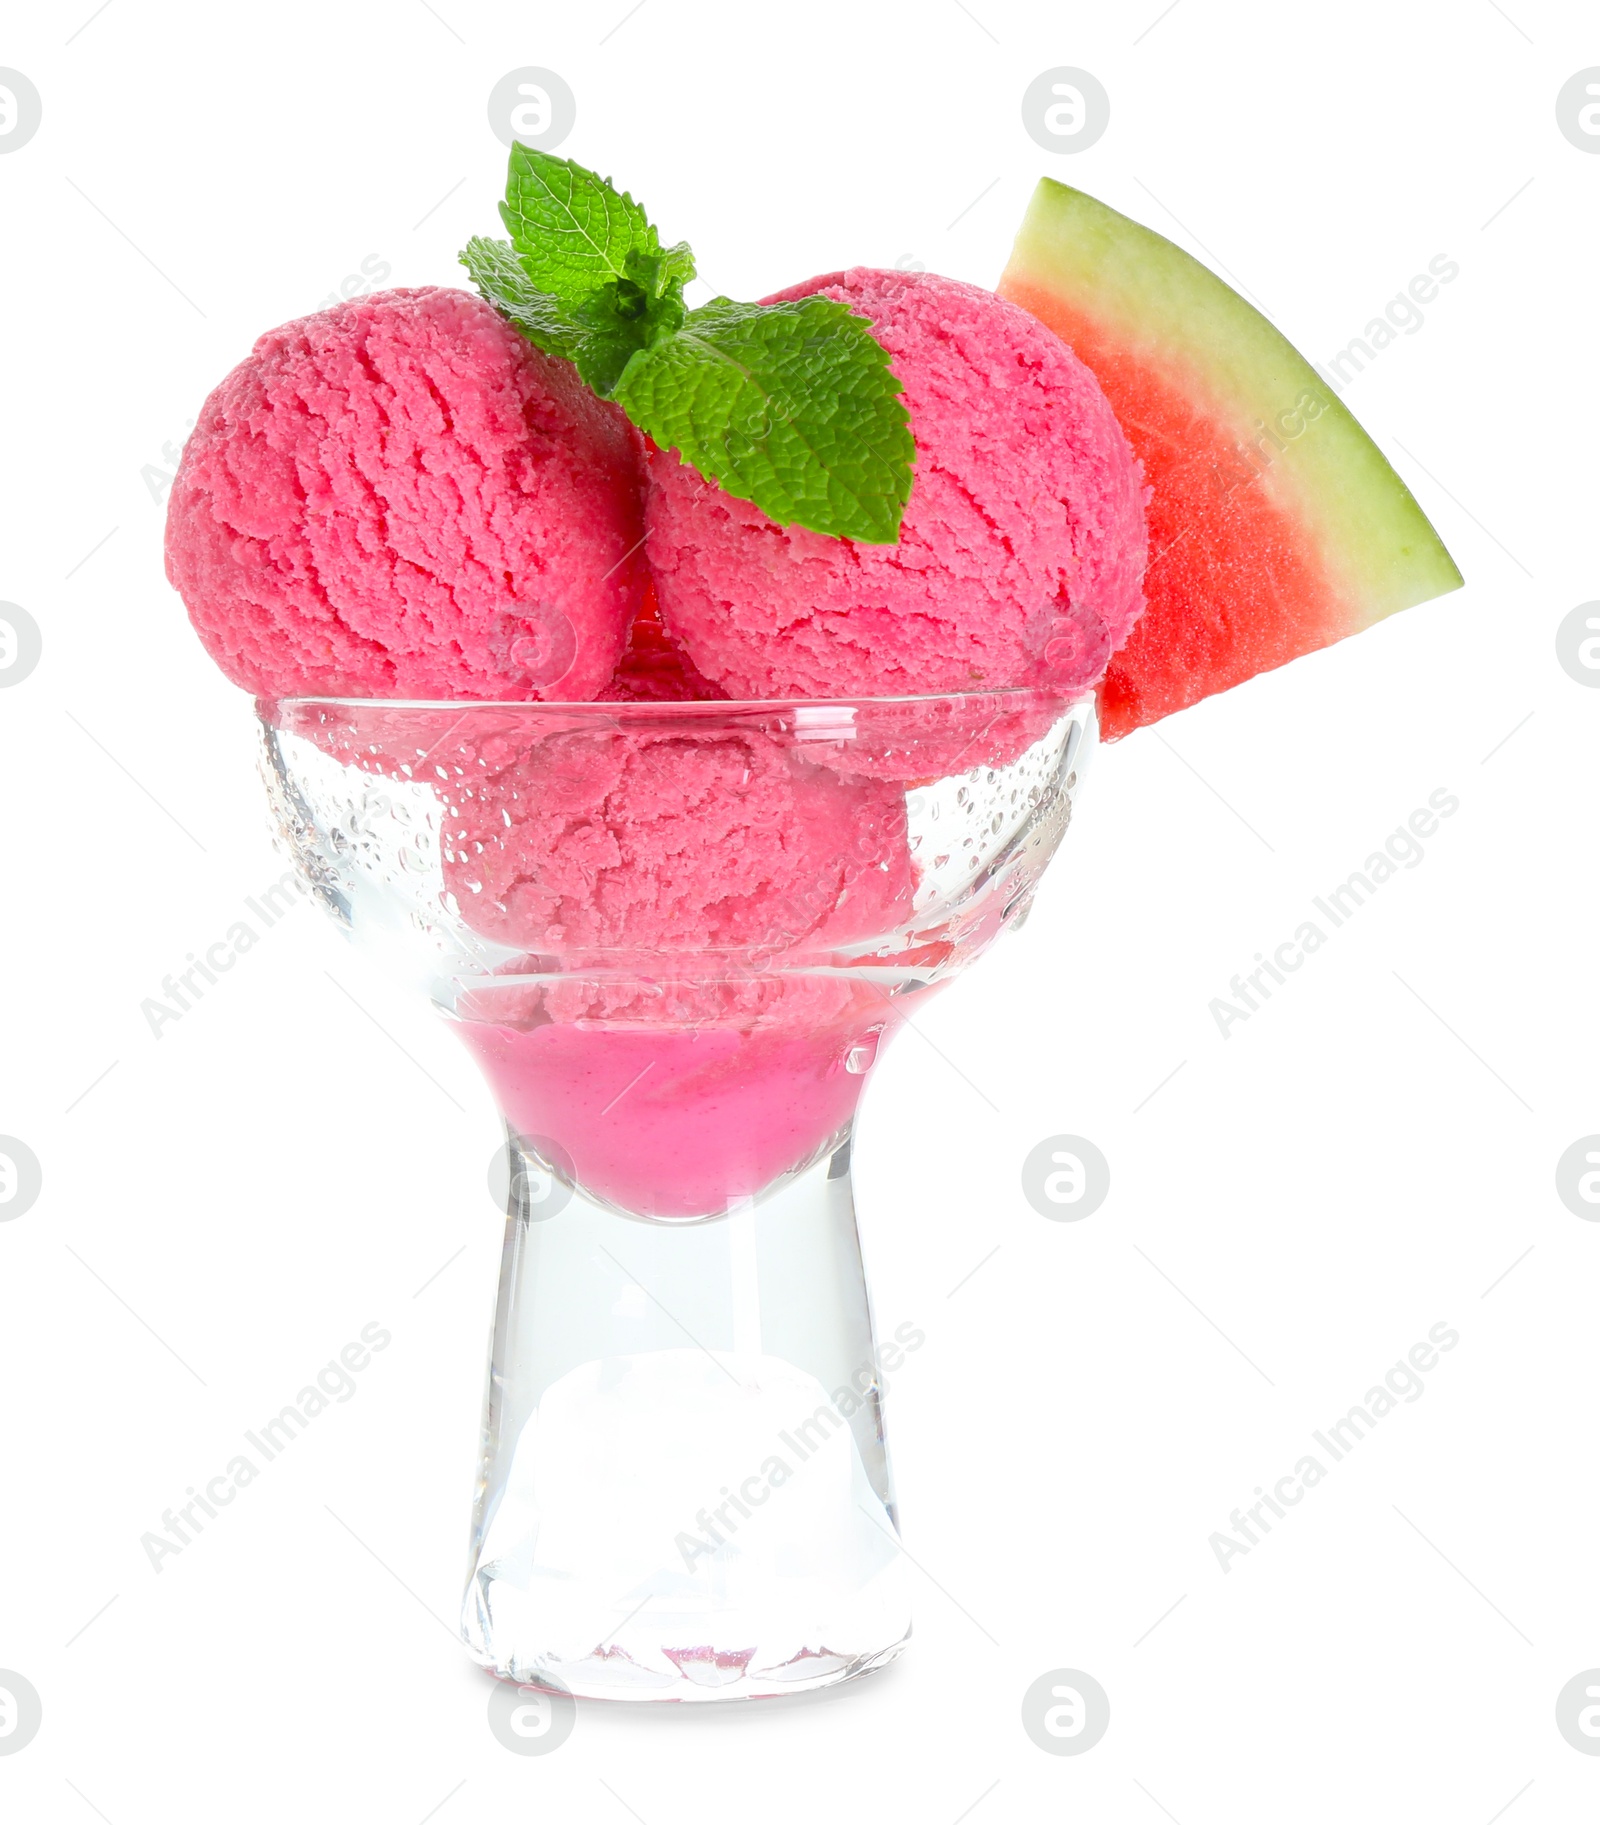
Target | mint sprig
(791,406)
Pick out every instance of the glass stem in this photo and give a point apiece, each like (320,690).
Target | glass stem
(685,1489)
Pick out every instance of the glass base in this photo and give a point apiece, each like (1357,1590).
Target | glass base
(685,1492)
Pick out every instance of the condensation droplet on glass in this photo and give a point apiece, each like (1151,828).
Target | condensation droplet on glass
(861,1057)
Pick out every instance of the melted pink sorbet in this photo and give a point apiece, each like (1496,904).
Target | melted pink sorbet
(686,1121)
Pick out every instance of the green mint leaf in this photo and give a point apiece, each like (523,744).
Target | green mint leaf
(502,281)
(573,229)
(661,275)
(791,406)
(632,314)
(676,267)
(616,326)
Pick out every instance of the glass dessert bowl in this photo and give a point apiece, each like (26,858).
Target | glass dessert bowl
(676,937)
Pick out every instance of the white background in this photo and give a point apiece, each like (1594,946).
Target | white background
(1365,1157)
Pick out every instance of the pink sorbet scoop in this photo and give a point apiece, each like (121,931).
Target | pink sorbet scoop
(1022,548)
(401,497)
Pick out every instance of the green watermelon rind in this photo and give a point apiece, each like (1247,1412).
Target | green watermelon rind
(1169,311)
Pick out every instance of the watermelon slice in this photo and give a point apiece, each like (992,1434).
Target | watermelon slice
(1276,524)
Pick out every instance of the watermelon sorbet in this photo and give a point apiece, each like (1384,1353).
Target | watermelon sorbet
(402,498)
(1021,552)
(673,884)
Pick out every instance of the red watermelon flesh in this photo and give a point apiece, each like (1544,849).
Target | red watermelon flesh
(1276,525)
